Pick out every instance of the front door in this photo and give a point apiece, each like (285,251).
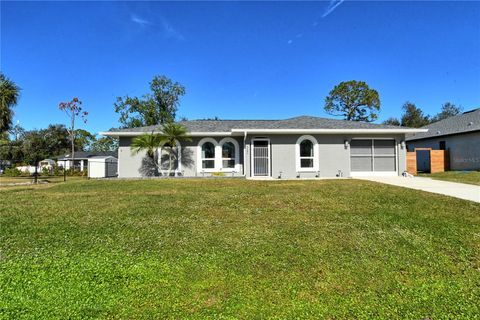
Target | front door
(260,158)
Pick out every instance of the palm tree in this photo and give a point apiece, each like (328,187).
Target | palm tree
(9,93)
(172,133)
(149,143)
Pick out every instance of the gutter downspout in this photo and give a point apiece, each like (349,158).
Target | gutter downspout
(244,151)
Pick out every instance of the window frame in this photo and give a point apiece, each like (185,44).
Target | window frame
(298,158)
(200,158)
(236,157)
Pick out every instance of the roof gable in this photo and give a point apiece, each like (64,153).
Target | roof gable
(466,122)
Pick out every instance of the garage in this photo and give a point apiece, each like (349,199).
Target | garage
(373,157)
(102,167)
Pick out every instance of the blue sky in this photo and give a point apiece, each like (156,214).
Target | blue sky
(238,60)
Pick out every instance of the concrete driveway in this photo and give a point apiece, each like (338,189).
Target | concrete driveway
(452,189)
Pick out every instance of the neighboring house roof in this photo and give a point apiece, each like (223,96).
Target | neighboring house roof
(302,123)
(100,158)
(466,122)
(84,155)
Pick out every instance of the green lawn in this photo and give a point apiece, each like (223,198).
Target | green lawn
(471,177)
(9,180)
(225,249)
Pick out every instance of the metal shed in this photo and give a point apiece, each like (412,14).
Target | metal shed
(102,167)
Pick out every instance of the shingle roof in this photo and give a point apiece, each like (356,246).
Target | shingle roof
(88,154)
(302,122)
(466,122)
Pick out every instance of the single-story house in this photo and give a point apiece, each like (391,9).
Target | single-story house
(460,135)
(300,147)
(44,164)
(81,158)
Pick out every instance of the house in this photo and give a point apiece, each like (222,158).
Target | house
(47,164)
(80,162)
(460,135)
(300,147)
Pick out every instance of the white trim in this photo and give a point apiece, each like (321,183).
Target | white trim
(199,156)
(329,131)
(139,133)
(315,154)
(235,132)
(373,173)
(236,168)
(252,153)
(244,154)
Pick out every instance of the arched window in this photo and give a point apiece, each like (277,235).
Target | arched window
(307,154)
(228,155)
(208,155)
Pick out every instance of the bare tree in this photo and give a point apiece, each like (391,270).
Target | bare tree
(74,110)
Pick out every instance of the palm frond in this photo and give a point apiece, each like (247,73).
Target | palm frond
(147,142)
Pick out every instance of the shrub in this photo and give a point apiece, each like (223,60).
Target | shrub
(76,172)
(58,171)
(12,172)
(218,174)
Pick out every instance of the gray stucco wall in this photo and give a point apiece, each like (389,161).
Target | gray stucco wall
(130,165)
(333,156)
(464,149)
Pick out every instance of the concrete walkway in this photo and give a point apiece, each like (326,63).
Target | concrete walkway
(453,189)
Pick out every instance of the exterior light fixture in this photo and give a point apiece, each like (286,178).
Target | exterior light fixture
(347,144)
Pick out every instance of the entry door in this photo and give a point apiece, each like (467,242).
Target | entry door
(261,158)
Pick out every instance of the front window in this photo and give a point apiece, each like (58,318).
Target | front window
(306,154)
(228,155)
(208,155)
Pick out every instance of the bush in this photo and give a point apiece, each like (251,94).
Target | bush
(76,173)
(12,172)
(218,174)
(58,171)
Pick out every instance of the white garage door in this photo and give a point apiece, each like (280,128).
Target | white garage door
(373,156)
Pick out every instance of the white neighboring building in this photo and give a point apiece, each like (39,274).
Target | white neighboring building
(45,163)
(80,162)
(102,167)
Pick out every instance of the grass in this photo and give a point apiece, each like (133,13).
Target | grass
(225,249)
(50,179)
(470,177)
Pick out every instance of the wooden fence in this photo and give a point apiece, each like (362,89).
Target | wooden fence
(439,160)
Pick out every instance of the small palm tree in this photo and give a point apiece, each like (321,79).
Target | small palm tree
(149,143)
(172,133)
(9,93)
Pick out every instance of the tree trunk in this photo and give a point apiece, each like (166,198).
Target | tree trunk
(36,173)
(155,163)
(73,142)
